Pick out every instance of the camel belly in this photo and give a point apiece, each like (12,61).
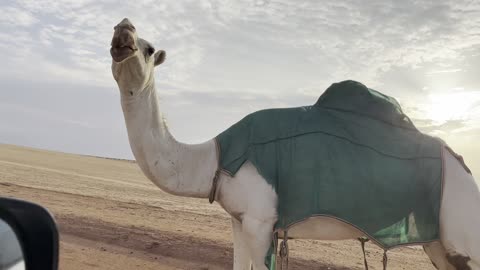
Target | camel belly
(323,228)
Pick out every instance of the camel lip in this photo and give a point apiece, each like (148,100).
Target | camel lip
(123,38)
(121,53)
(122,47)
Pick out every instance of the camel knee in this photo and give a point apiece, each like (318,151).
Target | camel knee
(460,262)
(444,259)
(438,256)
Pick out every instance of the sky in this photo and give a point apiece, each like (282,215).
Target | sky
(228,58)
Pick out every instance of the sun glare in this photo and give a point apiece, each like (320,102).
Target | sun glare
(450,106)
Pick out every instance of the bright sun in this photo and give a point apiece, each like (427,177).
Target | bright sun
(450,106)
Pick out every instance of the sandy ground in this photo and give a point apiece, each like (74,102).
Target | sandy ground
(111,217)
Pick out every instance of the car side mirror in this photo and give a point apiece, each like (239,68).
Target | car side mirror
(11,254)
(28,236)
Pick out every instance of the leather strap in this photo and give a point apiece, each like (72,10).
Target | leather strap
(213,190)
(363,241)
(385,260)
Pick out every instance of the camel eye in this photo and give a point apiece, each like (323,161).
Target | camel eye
(150,50)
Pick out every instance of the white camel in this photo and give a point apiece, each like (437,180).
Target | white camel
(187,170)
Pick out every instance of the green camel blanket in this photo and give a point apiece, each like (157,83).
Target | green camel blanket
(354,156)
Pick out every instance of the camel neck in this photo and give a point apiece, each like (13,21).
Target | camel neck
(177,168)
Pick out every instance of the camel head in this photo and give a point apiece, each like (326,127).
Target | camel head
(133,59)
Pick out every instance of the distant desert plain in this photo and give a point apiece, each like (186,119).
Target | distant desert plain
(111,217)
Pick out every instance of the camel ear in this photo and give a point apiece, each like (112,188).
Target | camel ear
(159,57)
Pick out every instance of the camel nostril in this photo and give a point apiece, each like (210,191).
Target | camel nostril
(123,37)
(125,24)
(126,21)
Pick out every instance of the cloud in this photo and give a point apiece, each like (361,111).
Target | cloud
(16,17)
(226,58)
(343,39)
(447,127)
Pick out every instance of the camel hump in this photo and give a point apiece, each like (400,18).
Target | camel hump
(355,97)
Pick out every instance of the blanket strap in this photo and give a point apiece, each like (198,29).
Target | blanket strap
(363,240)
(385,260)
(284,251)
(213,191)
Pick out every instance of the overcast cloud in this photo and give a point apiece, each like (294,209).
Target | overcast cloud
(227,58)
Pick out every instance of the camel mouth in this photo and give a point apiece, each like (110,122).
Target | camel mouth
(120,53)
(123,41)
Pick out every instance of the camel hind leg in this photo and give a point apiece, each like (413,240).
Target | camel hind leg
(459,216)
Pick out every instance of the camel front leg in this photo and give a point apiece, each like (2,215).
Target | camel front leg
(241,258)
(258,236)
(438,256)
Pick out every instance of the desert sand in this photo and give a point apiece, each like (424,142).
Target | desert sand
(111,217)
